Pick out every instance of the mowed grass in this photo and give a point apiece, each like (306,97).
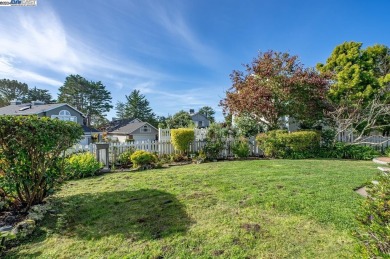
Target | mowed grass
(252,209)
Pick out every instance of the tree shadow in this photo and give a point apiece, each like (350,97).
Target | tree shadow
(146,214)
(141,214)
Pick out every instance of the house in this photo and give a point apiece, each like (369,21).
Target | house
(131,130)
(61,111)
(199,119)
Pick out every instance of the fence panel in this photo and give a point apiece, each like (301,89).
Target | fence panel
(161,148)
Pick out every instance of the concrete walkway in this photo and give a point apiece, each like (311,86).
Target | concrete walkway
(379,160)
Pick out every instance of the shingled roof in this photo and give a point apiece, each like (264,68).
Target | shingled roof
(29,109)
(125,126)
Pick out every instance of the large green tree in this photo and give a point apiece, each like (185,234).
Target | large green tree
(208,112)
(276,85)
(181,119)
(89,97)
(10,90)
(36,94)
(359,94)
(120,110)
(137,106)
(357,74)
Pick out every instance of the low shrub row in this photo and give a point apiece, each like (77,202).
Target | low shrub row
(281,144)
(310,144)
(81,165)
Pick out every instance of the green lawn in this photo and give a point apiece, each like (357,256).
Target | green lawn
(252,209)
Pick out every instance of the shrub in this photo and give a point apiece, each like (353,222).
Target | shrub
(281,144)
(125,158)
(214,141)
(81,165)
(178,158)
(374,219)
(31,156)
(240,148)
(141,158)
(387,152)
(181,138)
(348,151)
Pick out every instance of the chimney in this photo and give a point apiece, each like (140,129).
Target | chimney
(37,103)
(15,102)
(192,111)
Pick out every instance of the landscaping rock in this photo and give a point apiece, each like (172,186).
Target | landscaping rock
(24,228)
(6,228)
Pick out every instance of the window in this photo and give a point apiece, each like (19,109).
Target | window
(64,115)
(145,129)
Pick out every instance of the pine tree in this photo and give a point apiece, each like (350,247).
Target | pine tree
(137,106)
(120,110)
(12,89)
(36,94)
(89,97)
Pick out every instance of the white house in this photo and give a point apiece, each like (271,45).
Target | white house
(131,130)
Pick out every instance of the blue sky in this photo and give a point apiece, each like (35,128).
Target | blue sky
(179,54)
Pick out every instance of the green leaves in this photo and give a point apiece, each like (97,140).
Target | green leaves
(181,138)
(357,73)
(89,97)
(30,156)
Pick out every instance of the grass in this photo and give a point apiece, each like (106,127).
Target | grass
(252,209)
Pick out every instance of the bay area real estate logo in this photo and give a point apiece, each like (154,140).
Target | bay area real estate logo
(18,2)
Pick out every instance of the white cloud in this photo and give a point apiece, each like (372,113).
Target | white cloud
(181,34)
(36,47)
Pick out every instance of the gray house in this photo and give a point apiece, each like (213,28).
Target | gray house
(131,130)
(61,111)
(199,119)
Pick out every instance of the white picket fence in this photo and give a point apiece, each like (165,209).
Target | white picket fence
(161,148)
(376,141)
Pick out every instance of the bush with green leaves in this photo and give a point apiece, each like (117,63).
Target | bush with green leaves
(295,145)
(374,220)
(31,161)
(240,148)
(215,141)
(81,165)
(387,152)
(342,150)
(181,138)
(125,158)
(141,158)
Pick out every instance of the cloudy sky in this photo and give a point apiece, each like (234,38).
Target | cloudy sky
(179,54)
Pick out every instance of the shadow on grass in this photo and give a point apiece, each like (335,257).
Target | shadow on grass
(144,214)
(141,214)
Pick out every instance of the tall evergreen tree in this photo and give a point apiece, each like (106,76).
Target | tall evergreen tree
(208,112)
(12,89)
(137,106)
(120,110)
(36,94)
(89,97)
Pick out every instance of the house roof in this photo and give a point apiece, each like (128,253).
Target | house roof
(87,129)
(17,109)
(129,127)
(198,114)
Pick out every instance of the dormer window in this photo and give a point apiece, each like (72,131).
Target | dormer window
(64,115)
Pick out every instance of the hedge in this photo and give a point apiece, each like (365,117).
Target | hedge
(30,159)
(181,138)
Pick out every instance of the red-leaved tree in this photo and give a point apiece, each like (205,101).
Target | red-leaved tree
(276,85)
